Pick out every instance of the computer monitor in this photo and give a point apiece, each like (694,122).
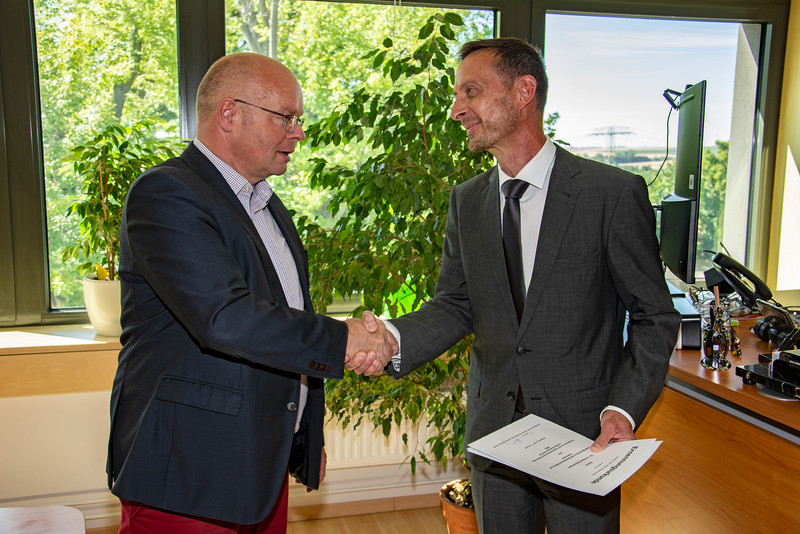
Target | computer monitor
(680,209)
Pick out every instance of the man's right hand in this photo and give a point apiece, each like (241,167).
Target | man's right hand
(370,346)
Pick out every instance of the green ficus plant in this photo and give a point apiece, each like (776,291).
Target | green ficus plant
(107,165)
(386,244)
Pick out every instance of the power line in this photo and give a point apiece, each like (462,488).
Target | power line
(611,133)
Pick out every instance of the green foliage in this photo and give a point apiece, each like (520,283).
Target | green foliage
(712,197)
(106,166)
(392,206)
(100,62)
(550,128)
(386,243)
(712,203)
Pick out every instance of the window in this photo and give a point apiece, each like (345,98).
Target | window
(607,79)
(100,62)
(30,106)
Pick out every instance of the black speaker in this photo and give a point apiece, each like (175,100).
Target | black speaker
(714,278)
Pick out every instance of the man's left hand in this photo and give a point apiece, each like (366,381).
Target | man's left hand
(323,464)
(613,427)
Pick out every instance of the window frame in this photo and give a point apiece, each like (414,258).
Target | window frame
(24,299)
(774,17)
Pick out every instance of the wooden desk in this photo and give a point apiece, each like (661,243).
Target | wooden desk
(730,458)
(685,366)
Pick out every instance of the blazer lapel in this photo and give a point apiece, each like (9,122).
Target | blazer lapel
(561,195)
(210,175)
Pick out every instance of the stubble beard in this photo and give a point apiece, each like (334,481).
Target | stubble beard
(496,127)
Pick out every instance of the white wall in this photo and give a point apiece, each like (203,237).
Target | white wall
(53,451)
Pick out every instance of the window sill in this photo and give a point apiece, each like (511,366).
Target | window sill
(47,360)
(48,339)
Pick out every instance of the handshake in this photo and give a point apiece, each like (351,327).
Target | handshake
(370,346)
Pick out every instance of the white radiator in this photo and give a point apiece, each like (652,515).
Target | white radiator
(365,465)
(368,446)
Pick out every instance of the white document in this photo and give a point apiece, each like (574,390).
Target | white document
(559,455)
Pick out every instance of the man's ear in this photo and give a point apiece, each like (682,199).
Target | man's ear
(525,89)
(226,113)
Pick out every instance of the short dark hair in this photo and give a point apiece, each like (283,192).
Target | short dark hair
(514,58)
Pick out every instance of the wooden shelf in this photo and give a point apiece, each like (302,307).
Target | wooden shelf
(718,470)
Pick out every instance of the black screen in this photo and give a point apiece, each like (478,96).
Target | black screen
(680,209)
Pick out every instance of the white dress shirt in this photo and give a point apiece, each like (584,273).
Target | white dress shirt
(531,204)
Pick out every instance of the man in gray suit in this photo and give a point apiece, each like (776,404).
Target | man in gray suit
(589,260)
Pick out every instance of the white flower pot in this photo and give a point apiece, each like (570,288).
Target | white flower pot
(102,299)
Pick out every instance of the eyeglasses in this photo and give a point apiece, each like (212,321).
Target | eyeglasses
(290,122)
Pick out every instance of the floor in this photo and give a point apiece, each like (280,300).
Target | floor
(418,521)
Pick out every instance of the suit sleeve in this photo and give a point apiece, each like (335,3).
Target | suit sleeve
(445,319)
(653,323)
(205,268)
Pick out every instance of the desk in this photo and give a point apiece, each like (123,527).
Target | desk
(42,520)
(730,461)
(685,366)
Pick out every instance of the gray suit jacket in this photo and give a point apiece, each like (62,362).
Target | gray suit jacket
(204,402)
(597,258)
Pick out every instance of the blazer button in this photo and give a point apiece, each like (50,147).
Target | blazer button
(521,350)
(511,395)
(292,406)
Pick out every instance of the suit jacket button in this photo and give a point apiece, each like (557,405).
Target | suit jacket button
(292,406)
(511,395)
(520,350)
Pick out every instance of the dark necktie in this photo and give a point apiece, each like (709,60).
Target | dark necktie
(512,243)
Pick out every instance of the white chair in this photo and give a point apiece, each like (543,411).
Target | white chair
(42,520)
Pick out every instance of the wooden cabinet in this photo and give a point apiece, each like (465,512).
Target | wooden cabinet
(730,457)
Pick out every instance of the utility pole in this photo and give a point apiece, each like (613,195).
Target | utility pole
(610,133)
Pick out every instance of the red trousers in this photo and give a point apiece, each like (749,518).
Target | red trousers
(141,519)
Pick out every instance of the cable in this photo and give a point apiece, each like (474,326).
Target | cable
(666,156)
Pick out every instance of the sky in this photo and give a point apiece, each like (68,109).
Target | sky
(608,72)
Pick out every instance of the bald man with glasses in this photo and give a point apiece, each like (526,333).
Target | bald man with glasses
(218,396)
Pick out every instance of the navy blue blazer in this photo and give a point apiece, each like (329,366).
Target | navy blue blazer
(204,402)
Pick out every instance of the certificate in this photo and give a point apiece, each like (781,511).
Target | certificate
(556,454)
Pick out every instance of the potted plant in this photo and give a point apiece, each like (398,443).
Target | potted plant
(458,508)
(106,166)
